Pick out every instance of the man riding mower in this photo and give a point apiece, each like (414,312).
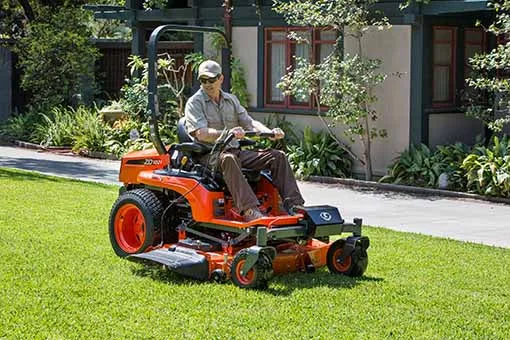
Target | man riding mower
(176,211)
(211,112)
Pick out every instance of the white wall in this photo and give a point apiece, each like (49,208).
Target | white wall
(393,47)
(244,47)
(449,128)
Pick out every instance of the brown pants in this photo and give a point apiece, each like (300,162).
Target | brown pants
(232,160)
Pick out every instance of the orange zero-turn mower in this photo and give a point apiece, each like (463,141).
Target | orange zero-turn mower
(176,212)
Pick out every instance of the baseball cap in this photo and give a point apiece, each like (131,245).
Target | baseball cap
(209,68)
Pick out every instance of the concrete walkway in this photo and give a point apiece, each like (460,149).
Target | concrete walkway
(460,219)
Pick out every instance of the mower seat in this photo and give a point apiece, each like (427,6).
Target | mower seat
(182,133)
(188,143)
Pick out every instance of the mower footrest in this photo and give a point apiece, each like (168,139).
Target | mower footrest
(181,260)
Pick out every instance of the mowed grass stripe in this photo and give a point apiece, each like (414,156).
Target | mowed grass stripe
(61,280)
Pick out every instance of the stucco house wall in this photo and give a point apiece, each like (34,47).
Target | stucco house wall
(450,128)
(393,47)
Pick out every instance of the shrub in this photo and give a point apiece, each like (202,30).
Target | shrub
(238,85)
(90,132)
(56,129)
(488,168)
(482,170)
(416,166)
(318,154)
(57,57)
(130,135)
(450,158)
(81,128)
(21,126)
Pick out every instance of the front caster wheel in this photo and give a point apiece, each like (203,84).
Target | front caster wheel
(257,277)
(353,265)
(218,276)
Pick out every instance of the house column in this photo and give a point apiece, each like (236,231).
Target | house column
(6,80)
(418,129)
(138,41)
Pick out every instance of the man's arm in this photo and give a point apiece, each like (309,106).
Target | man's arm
(247,122)
(207,135)
(258,126)
(196,122)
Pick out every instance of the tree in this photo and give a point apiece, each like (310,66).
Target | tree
(488,94)
(16,14)
(57,57)
(52,41)
(344,83)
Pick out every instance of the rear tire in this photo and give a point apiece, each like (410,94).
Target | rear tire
(135,222)
(353,265)
(257,277)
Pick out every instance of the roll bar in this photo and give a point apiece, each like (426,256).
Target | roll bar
(153,81)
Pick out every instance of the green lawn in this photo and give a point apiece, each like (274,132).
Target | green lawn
(60,279)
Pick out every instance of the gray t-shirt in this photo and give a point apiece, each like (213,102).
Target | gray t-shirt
(202,112)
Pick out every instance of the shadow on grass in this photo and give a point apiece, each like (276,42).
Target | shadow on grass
(285,284)
(18,175)
(28,175)
(159,272)
(280,285)
(73,168)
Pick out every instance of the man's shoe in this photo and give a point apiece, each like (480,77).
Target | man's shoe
(297,209)
(251,214)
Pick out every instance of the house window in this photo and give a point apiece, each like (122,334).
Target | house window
(474,43)
(279,56)
(453,46)
(443,66)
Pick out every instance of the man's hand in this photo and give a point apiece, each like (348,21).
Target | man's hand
(278,133)
(238,132)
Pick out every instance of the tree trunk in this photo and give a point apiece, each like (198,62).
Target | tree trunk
(367,150)
(341,144)
(367,145)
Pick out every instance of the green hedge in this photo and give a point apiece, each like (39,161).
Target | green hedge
(481,169)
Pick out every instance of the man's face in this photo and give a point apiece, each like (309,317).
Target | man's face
(212,86)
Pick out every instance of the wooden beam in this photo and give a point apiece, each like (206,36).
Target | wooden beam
(446,7)
(171,15)
(119,15)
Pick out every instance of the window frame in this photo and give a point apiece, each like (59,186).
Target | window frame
(289,45)
(483,45)
(453,64)
(460,71)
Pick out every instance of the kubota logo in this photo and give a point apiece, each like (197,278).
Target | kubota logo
(325,216)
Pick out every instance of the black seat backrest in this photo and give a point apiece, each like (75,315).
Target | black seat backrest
(182,132)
